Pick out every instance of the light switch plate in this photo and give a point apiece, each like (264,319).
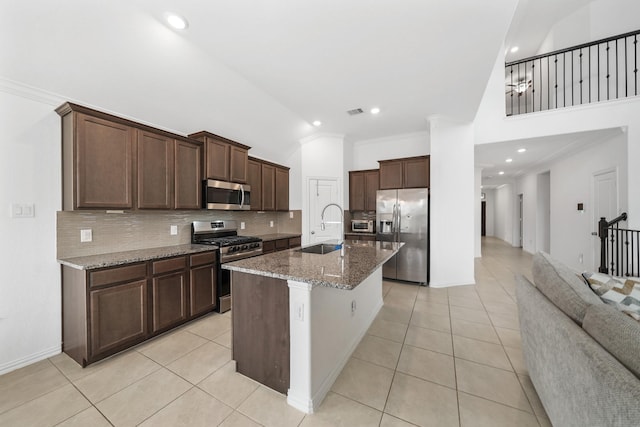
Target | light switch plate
(86,236)
(242,225)
(270,223)
(22,210)
(173,230)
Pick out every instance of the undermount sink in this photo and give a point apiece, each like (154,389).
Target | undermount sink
(320,248)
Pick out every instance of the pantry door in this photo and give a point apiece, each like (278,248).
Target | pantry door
(605,195)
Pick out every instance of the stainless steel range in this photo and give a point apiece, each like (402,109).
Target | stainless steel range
(224,234)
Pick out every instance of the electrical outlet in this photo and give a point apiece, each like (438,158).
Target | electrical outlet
(581,259)
(353,306)
(300,312)
(86,236)
(270,223)
(242,225)
(173,230)
(291,215)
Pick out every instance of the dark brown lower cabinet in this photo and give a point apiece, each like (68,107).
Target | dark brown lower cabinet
(169,294)
(260,318)
(110,309)
(119,317)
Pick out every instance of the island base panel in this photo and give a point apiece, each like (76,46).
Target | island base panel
(260,318)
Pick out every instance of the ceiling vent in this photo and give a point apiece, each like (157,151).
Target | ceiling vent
(355,111)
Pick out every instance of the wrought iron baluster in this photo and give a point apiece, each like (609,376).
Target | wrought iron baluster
(580,76)
(533,86)
(573,102)
(608,71)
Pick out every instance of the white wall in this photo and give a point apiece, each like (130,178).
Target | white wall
(572,183)
(478,212)
(321,156)
(543,213)
(452,203)
(505,213)
(366,153)
(490,199)
(30,166)
(527,186)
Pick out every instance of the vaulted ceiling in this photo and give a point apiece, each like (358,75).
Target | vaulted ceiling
(261,72)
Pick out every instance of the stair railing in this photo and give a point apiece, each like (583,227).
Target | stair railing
(619,248)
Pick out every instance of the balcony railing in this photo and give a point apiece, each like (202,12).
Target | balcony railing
(592,72)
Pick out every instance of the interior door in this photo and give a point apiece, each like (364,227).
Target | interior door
(321,193)
(605,202)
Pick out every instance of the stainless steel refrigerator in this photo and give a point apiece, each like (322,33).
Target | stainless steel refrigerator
(403,216)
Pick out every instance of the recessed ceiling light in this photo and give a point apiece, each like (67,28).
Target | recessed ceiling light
(522,150)
(375,110)
(176,21)
(501,173)
(317,123)
(514,49)
(509,160)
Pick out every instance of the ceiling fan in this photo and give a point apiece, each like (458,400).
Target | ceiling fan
(519,87)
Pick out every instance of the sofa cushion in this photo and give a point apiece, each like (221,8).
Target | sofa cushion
(562,286)
(620,292)
(616,333)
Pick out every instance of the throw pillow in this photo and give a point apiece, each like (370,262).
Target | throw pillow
(619,292)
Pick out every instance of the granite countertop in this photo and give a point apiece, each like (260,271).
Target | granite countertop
(361,259)
(276,236)
(92,262)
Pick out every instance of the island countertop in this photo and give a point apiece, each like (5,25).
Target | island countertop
(361,259)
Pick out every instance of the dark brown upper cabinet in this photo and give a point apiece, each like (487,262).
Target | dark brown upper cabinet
(363,186)
(282,189)
(269,185)
(225,160)
(155,170)
(254,179)
(113,163)
(188,175)
(98,163)
(411,172)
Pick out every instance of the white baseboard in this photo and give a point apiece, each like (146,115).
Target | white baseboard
(28,360)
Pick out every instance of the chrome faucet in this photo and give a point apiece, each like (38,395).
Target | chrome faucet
(322,224)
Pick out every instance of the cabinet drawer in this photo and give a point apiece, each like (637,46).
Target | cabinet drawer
(170,264)
(269,246)
(117,275)
(295,242)
(282,244)
(203,258)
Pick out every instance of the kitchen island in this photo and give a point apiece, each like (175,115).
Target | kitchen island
(297,317)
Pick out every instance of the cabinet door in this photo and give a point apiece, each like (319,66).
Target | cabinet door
(104,175)
(202,285)
(268,187)
(356,191)
(371,187)
(282,189)
(254,179)
(118,317)
(416,173)
(169,296)
(188,175)
(391,174)
(155,171)
(238,164)
(217,164)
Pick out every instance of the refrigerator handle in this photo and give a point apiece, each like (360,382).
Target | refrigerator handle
(394,219)
(398,214)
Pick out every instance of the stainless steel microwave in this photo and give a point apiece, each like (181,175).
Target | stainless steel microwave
(222,195)
(361,226)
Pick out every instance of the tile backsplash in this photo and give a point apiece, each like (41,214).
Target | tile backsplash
(115,232)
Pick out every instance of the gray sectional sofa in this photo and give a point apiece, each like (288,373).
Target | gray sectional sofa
(583,356)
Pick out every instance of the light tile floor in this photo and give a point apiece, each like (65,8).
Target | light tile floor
(433,357)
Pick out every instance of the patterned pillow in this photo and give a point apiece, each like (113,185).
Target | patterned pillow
(621,292)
